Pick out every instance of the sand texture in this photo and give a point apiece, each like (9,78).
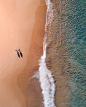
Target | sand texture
(22,25)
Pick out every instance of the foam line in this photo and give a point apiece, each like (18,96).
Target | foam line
(45,78)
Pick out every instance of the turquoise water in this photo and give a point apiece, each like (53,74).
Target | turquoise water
(76,45)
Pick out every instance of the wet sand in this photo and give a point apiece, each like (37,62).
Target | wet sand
(22,25)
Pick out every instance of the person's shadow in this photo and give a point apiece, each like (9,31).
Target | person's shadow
(19,53)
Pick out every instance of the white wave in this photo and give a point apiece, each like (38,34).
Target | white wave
(46,79)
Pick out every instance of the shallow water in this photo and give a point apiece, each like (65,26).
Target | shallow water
(69,24)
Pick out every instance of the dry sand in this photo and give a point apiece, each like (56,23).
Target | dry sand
(22,25)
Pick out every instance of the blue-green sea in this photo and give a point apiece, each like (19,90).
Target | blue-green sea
(76,45)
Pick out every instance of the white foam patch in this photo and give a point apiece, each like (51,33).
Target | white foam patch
(46,79)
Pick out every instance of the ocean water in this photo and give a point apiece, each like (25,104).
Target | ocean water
(75,37)
(76,45)
(45,76)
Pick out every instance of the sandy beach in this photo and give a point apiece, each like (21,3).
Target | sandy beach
(22,25)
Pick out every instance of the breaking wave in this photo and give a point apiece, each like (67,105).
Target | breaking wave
(45,76)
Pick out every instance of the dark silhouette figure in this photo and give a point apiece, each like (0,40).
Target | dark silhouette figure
(19,53)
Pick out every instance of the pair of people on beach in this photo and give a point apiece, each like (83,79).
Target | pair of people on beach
(19,53)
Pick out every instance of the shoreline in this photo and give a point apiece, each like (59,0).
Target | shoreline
(56,55)
(35,52)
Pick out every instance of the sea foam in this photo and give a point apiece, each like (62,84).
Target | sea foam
(45,78)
